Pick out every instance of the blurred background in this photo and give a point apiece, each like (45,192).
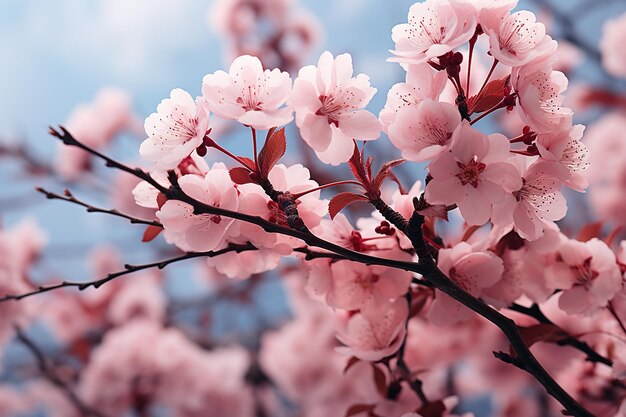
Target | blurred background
(61,60)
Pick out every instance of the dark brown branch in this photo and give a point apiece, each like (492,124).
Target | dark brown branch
(426,267)
(128,269)
(69,197)
(175,193)
(537,314)
(49,373)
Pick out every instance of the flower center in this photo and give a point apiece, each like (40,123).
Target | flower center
(330,108)
(470,173)
(583,274)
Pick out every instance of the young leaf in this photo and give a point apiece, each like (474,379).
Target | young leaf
(341,200)
(589,231)
(151,232)
(274,149)
(439,211)
(493,93)
(384,172)
(543,332)
(240,175)
(249,162)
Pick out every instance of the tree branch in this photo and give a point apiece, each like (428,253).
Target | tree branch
(426,267)
(48,372)
(537,314)
(69,197)
(128,269)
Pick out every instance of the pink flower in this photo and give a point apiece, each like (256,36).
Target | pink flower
(536,200)
(422,83)
(201,232)
(373,338)
(612,46)
(539,90)
(423,131)
(472,271)
(516,39)
(588,274)
(565,147)
(434,28)
(248,94)
(175,130)
(329,106)
(354,286)
(472,174)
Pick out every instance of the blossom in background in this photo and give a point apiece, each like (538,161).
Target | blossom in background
(612,46)
(329,106)
(249,94)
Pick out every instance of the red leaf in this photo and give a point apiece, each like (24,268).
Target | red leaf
(589,231)
(240,175)
(439,211)
(543,332)
(384,172)
(249,162)
(161,199)
(151,232)
(274,149)
(341,200)
(492,94)
(360,408)
(380,380)
(357,165)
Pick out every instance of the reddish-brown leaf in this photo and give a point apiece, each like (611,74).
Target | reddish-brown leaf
(357,166)
(360,408)
(589,231)
(240,175)
(384,172)
(380,380)
(151,232)
(249,162)
(543,332)
(493,93)
(161,199)
(341,200)
(274,149)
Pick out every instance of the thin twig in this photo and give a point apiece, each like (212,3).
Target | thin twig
(49,373)
(535,312)
(128,269)
(69,197)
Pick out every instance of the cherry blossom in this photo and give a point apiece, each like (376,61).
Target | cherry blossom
(421,83)
(175,130)
(329,104)
(249,94)
(472,271)
(472,174)
(434,28)
(516,39)
(566,148)
(373,338)
(353,286)
(202,232)
(536,200)
(588,274)
(539,91)
(423,131)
